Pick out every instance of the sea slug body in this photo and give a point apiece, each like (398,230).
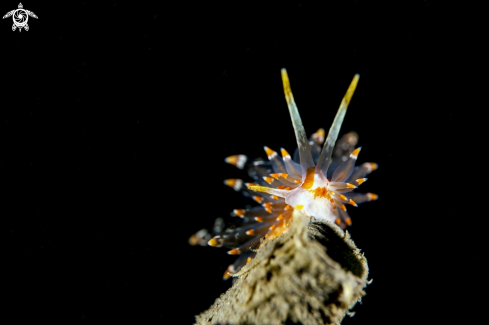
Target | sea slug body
(319,186)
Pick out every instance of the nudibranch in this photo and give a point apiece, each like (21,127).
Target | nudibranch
(319,185)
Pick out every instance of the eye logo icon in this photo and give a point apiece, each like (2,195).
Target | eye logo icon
(20,17)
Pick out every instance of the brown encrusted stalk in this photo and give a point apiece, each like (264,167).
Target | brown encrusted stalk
(313,274)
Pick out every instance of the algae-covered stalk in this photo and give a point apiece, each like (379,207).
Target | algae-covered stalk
(312,274)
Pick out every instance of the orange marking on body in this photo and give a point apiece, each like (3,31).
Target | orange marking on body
(259,219)
(239,212)
(348,185)
(248,260)
(272,227)
(275,175)
(331,200)
(361,180)
(348,221)
(284,153)
(288,207)
(267,179)
(280,217)
(275,197)
(319,191)
(250,232)
(374,166)
(353,203)
(297,181)
(342,197)
(287,188)
(343,207)
(234,251)
(284,175)
(281,187)
(334,207)
(337,221)
(309,181)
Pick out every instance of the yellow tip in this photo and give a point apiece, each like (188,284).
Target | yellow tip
(361,180)
(288,92)
(212,242)
(267,179)
(257,198)
(372,196)
(284,153)
(351,89)
(229,182)
(355,153)
(299,206)
(321,132)
(234,251)
(234,183)
(269,152)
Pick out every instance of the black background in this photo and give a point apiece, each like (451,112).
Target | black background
(116,118)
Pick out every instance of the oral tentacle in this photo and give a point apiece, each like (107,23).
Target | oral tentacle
(269,190)
(300,134)
(325,157)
